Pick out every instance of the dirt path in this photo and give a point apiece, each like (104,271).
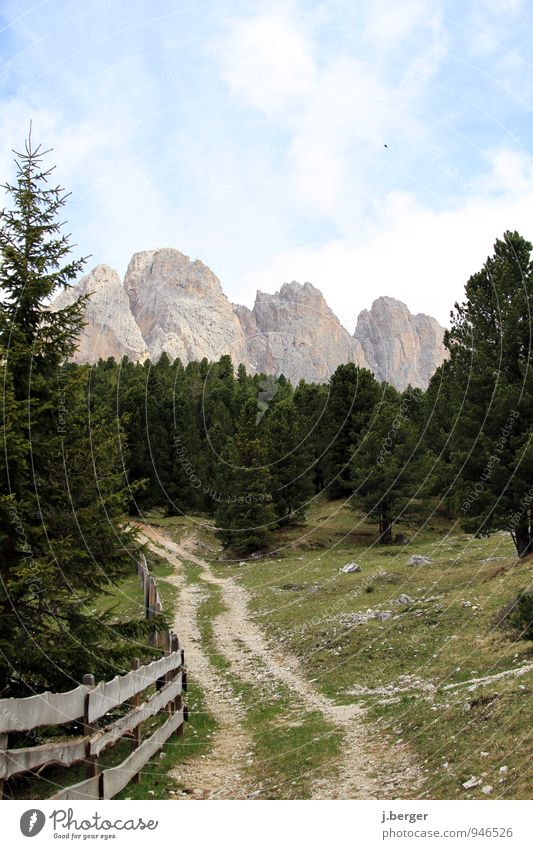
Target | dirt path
(364,771)
(219,773)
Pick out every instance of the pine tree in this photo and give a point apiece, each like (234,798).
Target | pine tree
(62,493)
(388,467)
(353,395)
(490,344)
(245,516)
(291,461)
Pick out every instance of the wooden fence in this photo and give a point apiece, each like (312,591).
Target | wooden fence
(90,702)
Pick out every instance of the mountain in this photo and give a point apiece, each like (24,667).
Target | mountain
(110,328)
(398,346)
(295,333)
(170,303)
(180,308)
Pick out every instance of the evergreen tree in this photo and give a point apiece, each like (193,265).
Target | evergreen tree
(353,394)
(440,412)
(490,344)
(290,458)
(387,467)
(245,516)
(61,492)
(310,400)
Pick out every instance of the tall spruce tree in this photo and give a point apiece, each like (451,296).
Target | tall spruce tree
(245,516)
(353,395)
(388,466)
(490,344)
(291,461)
(61,491)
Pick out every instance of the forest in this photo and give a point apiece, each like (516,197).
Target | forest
(85,448)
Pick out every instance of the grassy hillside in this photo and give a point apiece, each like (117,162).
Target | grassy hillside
(411,642)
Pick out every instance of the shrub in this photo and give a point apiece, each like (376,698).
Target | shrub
(522,615)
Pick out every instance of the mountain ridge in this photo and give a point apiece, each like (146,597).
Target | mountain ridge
(171,303)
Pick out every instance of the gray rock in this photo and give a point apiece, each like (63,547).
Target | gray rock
(487,789)
(350,567)
(404,599)
(295,333)
(110,329)
(382,615)
(170,303)
(401,539)
(400,347)
(419,560)
(180,308)
(472,782)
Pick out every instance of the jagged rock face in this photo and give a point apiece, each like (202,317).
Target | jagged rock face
(398,346)
(180,308)
(294,333)
(110,329)
(169,303)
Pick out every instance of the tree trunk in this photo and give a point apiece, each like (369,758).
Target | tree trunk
(385,528)
(523,540)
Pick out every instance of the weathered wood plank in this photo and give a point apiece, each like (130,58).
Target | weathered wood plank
(42,709)
(64,753)
(139,714)
(116,778)
(68,752)
(89,789)
(109,694)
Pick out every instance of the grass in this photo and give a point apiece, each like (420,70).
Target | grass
(290,744)
(401,665)
(410,668)
(126,599)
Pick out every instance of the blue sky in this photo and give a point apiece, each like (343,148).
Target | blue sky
(251,135)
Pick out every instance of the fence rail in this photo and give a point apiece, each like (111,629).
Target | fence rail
(89,702)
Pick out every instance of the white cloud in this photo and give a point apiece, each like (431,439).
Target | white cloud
(256,141)
(388,23)
(419,256)
(267,60)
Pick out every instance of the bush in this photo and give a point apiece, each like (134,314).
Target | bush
(522,615)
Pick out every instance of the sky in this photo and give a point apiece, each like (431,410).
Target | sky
(371,147)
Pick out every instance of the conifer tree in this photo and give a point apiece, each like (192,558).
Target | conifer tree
(61,490)
(490,344)
(291,461)
(245,516)
(352,397)
(388,466)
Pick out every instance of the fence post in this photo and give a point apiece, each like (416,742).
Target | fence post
(88,729)
(136,742)
(146,587)
(3,746)
(178,701)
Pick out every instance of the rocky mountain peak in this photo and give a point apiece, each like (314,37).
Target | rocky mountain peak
(170,303)
(180,307)
(398,346)
(295,333)
(110,329)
